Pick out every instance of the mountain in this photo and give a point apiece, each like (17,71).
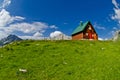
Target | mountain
(117,36)
(9,39)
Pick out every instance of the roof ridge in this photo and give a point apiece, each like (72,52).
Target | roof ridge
(80,27)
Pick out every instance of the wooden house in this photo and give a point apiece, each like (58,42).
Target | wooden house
(85,31)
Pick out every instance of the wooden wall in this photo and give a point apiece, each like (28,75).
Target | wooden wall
(78,36)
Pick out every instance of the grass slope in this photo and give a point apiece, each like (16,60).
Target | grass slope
(60,60)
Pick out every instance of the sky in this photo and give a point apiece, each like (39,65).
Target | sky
(36,19)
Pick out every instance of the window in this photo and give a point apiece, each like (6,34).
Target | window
(86,34)
(90,28)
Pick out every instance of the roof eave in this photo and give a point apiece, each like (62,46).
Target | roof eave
(76,33)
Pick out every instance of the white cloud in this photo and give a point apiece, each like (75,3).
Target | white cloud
(101,39)
(97,26)
(35,29)
(3,34)
(31,37)
(115,28)
(37,34)
(55,34)
(53,27)
(5,3)
(29,27)
(6,18)
(116,15)
(17,18)
(65,23)
(115,3)
(5,31)
(58,35)
(10,25)
(112,33)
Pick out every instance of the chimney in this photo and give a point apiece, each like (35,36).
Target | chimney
(81,23)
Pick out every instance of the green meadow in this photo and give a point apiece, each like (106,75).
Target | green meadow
(60,60)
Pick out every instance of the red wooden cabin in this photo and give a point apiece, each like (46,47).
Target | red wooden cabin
(85,31)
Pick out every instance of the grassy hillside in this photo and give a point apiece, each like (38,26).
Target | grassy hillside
(60,60)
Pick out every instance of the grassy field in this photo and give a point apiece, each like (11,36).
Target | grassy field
(60,60)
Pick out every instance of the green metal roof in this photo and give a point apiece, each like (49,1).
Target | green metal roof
(80,28)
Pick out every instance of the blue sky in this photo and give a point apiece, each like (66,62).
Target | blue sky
(47,16)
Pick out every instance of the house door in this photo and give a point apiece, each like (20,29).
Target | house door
(90,35)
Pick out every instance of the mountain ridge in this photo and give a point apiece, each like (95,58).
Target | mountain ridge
(10,38)
(116,37)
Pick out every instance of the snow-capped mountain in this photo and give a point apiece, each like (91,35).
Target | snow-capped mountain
(9,39)
(117,35)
